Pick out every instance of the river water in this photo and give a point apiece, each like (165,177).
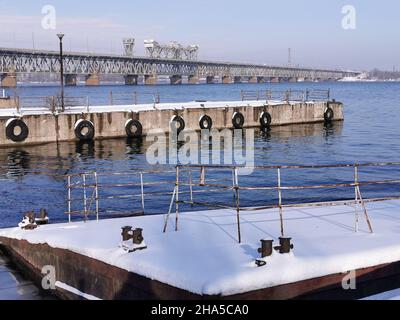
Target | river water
(34,177)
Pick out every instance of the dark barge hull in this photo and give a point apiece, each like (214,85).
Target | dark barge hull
(108,282)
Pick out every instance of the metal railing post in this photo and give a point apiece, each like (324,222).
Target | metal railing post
(169,210)
(356,197)
(280,202)
(87,104)
(202,176)
(84,196)
(96,185)
(177,199)
(142,190)
(69,199)
(191,187)
(236,183)
(111,98)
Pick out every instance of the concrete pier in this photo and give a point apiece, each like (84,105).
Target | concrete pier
(110,121)
(226,79)
(150,79)
(175,79)
(8,102)
(131,79)
(93,79)
(253,79)
(237,80)
(210,79)
(8,80)
(70,80)
(292,79)
(275,80)
(193,79)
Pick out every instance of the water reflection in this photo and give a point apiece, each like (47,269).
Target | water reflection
(32,175)
(58,159)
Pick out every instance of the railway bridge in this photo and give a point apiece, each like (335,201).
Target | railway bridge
(93,66)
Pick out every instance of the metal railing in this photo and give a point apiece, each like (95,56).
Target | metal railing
(286,95)
(53,103)
(93,194)
(133,98)
(236,188)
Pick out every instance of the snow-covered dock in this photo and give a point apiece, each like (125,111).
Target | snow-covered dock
(43,124)
(204,259)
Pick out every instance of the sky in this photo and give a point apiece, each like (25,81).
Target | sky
(253,31)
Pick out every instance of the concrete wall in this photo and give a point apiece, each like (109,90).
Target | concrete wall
(50,128)
(8,103)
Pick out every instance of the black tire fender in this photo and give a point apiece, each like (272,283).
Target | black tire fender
(328,114)
(133,128)
(265,119)
(13,123)
(237,120)
(82,124)
(205,122)
(177,123)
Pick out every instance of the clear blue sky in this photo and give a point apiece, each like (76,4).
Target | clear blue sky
(249,31)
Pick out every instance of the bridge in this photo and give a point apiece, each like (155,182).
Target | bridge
(92,66)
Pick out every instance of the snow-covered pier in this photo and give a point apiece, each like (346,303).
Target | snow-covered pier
(43,120)
(204,260)
(279,251)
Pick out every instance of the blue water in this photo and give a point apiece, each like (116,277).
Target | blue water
(34,177)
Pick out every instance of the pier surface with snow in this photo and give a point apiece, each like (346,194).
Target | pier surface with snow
(204,257)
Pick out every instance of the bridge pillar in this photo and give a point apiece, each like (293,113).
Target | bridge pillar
(226,79)
(237,79)
(150,79)
(275,80)
(253,79)
(292,79)
(131,79)
(193,79)
(260,79)
(8,80)
(70,80)
(210,79)
(92,79)
(175,79)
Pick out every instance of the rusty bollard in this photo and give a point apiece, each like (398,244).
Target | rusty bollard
(137,236)
(266,248)
(285,245)
(125,233)
(265,251)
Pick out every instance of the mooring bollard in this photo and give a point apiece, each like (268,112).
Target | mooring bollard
(265,251)
(43,217)
(285,245)
(28,221)
(137,239)
(125,233)
(266,248)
